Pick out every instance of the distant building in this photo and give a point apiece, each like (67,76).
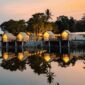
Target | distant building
(77,36)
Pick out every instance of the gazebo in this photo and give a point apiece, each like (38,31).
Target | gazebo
(48,35)
(22,36)
(21,39)
(8,42)
(8,37)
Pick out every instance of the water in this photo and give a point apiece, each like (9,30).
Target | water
(46,69)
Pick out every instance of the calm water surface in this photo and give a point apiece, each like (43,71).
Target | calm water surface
(45,69)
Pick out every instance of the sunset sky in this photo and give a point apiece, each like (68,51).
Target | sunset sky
(23,9)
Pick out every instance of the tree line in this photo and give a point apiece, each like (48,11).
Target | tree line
(41,22)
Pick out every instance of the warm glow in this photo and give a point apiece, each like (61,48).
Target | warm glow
(4,38)
(19,37)
(46,36)
(18,9)
(5,56)
(66,58)
(47,57)
(39,34)
(28,33)
(20,56)
(65,35)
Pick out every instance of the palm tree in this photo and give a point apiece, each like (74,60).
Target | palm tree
(48,14)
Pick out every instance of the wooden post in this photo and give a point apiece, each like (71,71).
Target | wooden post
(22,46)
(68,46)
(49,45)
(60,46)
(7,47)
(42,46)
(15,46)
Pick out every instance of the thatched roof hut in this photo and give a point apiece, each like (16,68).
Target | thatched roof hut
(8,37)
(22,36)
(48,35)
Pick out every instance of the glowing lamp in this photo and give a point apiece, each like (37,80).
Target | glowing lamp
(47,58)
(46,36)
(19,37)
(65,35)
(5,56)
(5,38)
(20,56)
(66,58)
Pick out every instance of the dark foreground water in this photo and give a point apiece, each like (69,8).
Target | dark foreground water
(45,69)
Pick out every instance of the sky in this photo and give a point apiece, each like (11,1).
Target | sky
(24,9)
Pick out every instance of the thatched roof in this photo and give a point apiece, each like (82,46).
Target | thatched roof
(8,36)
(22,36)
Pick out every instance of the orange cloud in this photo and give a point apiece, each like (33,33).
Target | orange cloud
(25,8)
(75,5)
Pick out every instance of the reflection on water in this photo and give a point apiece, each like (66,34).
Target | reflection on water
(55,68)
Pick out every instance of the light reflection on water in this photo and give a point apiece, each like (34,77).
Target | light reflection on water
(48,68)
